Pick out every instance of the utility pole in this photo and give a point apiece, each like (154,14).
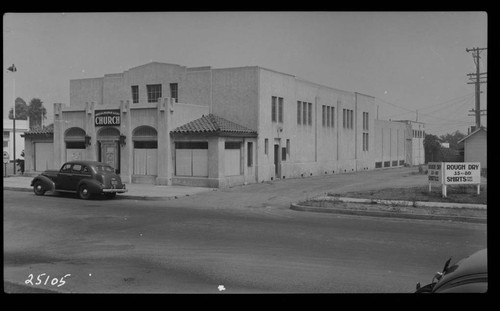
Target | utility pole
(477,78)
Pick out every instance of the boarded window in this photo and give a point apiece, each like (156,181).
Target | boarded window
(191,159)
(232,158)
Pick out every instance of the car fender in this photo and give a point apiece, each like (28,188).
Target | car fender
(46,182)
(94,186)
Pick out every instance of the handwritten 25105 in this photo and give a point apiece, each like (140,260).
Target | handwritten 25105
(45,280)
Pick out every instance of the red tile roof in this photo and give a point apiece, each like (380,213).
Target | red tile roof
(47,130)
(213,124)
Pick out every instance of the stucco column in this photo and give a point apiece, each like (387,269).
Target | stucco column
(164,164)
(127,150)
(59,127)
(216,161)
(90,152)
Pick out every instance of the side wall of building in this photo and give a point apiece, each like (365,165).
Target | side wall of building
(390,144)
(475,149)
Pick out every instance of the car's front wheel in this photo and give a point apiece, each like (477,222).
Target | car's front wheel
(84,192)
(38,188)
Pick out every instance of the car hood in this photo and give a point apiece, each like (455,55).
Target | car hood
(476,263)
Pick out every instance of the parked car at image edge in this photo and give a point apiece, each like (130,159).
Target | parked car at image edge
(468,275)
(85,178)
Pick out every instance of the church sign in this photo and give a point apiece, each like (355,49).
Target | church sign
(107,117)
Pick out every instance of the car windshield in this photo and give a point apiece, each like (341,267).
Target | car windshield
(104,168)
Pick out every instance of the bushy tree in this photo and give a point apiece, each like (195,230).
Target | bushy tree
(432,148)
(21,110)
(37,112)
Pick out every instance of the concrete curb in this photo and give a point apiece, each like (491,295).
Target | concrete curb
(119,196)
(302,208)
(401,202)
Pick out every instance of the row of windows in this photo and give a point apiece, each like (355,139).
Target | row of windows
(348,119)
(304,113)
(365,141)
(418,134)
(328,115)
(365,121)
(388,163)
(277,109)
(154,92)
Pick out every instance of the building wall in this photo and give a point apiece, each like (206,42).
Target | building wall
(242,95)
(390,143)
(475,149)
(235,95)
(314,149)
(85,90)
(21,127)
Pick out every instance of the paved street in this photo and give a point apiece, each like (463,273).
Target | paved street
(245,239)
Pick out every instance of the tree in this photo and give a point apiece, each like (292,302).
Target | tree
(21,110)
(432,148)
(37,112)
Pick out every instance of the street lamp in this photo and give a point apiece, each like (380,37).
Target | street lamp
(14,69)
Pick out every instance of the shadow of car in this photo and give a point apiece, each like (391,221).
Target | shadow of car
(468,275)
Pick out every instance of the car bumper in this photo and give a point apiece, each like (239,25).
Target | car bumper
(114,190)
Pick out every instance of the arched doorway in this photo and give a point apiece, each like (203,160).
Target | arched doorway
(108,147)
(74,139)
(145,140)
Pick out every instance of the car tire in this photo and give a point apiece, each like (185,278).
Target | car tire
(110,195)
(38,188)
(84,192)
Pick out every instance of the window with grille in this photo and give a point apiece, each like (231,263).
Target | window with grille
(174,91)
(154,92)
(135,94)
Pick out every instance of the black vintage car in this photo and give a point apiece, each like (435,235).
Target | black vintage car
(85,178)
(468,275)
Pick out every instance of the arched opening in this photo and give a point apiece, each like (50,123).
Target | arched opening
(74,139)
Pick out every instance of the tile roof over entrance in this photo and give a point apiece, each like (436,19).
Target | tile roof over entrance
(46,130)
(214,125)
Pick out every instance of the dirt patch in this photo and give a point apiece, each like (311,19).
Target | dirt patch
(455,194)
(457,212)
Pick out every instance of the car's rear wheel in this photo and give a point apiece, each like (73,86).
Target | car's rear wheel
(38,188)
(84,192)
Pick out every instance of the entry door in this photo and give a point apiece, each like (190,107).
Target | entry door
(277,162)
(109,154)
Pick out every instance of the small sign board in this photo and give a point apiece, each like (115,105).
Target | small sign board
(6,157)
(462,173)
(435,172)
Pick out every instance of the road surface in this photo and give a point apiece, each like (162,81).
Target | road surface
(183,246)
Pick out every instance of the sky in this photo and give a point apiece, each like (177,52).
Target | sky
(415,64)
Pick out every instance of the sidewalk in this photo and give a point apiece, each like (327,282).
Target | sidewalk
(135,191)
